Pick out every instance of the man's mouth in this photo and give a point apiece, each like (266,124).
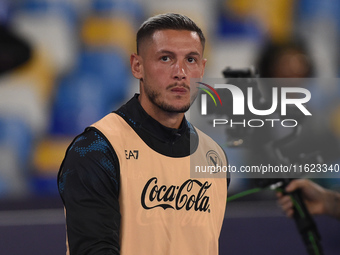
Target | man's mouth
(179,90)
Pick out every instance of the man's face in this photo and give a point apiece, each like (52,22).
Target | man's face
(167,62)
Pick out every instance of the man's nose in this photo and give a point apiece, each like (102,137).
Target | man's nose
(179,72)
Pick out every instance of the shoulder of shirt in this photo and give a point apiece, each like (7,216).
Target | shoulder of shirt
(90,148)
(90,140)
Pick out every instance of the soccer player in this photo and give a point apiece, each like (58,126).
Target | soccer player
(125,181)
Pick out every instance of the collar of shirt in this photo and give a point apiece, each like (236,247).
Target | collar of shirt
(142,120)
(155,134)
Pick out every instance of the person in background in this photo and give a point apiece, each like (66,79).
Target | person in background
(317,199)
(289,59)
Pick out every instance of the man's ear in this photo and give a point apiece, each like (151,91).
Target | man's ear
(136,66)
(203,66)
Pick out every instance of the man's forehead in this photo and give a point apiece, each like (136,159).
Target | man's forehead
(170,37)
(175,32)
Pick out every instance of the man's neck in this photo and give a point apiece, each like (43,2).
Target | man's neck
(167,119)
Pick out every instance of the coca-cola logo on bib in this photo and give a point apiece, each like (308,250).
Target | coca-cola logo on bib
(191,195)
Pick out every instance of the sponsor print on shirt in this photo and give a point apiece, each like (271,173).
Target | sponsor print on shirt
(190,195)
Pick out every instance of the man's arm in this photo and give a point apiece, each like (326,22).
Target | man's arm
(88,183)
(318,200)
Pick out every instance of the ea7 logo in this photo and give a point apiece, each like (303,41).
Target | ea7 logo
(131,154)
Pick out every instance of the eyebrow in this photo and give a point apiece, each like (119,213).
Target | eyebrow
(195,53)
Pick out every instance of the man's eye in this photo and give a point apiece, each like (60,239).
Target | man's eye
(165,58)
(191,60)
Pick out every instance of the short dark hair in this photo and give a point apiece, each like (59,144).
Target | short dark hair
(167,21)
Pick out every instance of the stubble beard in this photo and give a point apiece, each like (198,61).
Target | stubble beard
(156,99)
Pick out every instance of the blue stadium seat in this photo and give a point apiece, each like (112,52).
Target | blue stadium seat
(128,7)
(92,91)
(111,68)
(16,135)
(15,148)
(64,8)
(78,103)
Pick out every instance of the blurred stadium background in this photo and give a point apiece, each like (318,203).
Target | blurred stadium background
(65,63)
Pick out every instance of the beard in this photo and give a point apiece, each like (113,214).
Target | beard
(156,99)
